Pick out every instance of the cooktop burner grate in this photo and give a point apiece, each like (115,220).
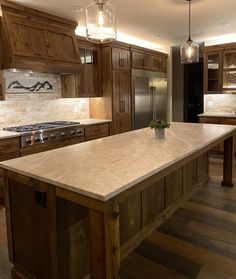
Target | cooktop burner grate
(41,126)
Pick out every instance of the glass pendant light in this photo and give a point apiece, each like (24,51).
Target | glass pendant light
(101,22)
(189,51)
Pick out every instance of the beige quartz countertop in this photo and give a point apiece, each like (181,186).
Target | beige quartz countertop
(8,134)
(91,121)
(218,114)
(103,168)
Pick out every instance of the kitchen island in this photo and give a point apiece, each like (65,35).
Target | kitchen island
(81,209)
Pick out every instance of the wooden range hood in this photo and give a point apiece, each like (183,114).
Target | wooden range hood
(38,41)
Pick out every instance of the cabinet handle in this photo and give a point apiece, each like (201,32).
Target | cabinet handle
(2,148)
(121,105)
(47,42)
(37,54)
(123,62)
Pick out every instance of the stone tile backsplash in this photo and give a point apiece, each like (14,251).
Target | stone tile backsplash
(220,103)
(26,108)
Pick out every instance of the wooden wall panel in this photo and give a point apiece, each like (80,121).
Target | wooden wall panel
(130,217)
(174,186)
(190,176)
(153,201)
(202,167)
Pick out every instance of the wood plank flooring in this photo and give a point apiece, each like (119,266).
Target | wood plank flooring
(197,242)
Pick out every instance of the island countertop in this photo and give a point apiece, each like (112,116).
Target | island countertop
(103,168)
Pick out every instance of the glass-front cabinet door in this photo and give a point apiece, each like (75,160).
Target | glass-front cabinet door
(213,72)
(229,71)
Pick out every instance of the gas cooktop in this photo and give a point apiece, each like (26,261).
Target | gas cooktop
(41,126)
(41,133)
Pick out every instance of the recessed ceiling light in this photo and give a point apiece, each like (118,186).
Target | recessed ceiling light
(224,24)
(77,9)
(157,37)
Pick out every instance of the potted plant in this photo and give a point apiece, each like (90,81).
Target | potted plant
(159,126)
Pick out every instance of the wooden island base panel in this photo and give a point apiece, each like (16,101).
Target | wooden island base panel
(57,233)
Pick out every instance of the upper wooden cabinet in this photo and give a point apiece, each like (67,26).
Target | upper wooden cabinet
(87,83)
(220,69)
(38,41)
(159,63)
(120,59)
(141,60)
(212,71)
(149,60)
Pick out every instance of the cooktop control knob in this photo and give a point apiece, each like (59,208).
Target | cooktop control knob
(45,138)
(63,134)
(52,136)
(28,141)
(72,133)
(36,139)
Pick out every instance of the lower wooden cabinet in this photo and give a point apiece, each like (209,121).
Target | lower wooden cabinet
(9,149)
(97,131)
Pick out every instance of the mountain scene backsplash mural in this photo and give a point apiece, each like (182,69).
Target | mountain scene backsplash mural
(29,82)
(34,88)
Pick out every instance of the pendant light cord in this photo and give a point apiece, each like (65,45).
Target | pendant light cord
(189,21)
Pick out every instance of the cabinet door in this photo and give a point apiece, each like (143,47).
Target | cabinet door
(125,122)
(27,40)
(147,61)
(213,72)
(137,60)
(33,219)
(159,63)
(61,46)
(121,101)
(120,59)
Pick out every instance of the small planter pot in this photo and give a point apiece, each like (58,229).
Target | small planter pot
(160,134)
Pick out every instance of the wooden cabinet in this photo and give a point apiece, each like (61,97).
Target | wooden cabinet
(159,63)
(88,82)
(220,69)
(97,131)
(149,60)
(36,40)
(121,101)
(32,210)
(141,60)
(9,149)
(212,72)
(120,59)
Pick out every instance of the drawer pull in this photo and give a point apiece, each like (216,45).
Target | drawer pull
(2,148)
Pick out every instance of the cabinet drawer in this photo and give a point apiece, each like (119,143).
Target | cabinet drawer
(209,120)
(97,131)
(228,121)
(9,146)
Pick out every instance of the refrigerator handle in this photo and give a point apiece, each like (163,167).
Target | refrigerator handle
(155,102)
(152,101)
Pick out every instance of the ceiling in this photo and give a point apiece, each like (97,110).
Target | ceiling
(144,20)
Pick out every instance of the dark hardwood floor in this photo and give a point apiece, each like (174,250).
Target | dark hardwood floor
(198,241)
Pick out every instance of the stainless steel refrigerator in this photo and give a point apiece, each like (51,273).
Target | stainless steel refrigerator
(150,97)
